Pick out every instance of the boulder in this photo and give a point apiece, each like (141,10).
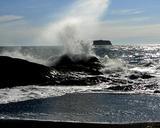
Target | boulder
(134,76)
(142,75)
(121,88)
(157,91)
(102,42)
(78,63)
(18,72)
(66,71)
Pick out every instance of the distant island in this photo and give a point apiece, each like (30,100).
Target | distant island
(102,42)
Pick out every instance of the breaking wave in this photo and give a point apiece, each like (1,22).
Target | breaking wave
(123,71)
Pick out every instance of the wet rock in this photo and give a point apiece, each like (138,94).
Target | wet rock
(77,63)
(133,77)
(114,75)
(157,91)
(140,75)
(119,81)
(146,76)
(102,42)
(151,85)
(121,88)
(18,72)
(75,79)
(150,64)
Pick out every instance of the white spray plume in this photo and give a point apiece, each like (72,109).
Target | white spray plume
(77,25)
(26,56)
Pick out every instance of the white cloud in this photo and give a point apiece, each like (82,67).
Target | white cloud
(79,22)
(127,12)
(9,18)
(131,20)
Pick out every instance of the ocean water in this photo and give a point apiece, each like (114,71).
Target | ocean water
(131,93)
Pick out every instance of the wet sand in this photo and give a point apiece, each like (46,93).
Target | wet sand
(106,110)
(50,124)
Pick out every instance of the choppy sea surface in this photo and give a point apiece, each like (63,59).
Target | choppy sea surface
(130,95)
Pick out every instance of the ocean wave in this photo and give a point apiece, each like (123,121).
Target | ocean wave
(70,73)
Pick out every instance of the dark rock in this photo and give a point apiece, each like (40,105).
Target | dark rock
(146,76)
(81,81)
(157,91)
(18,72)
(119,81)
(76,78)
(102,42)
(148,64)
(134,76)
(70,71)
(66,71)
(151,86)
(121,88)
(140,75)
(77,63)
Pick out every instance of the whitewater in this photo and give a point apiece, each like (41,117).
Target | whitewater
(124,68)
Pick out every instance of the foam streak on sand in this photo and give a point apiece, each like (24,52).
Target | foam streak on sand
(22,93)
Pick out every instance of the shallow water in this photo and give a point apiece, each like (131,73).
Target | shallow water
(88,107)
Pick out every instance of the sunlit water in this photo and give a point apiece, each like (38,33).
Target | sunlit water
(90,103)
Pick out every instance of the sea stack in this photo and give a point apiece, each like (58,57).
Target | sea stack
(102,42)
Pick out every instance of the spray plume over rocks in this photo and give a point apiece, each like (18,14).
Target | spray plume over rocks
(77,27)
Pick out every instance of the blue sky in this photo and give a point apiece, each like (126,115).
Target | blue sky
(124,22)
(126,9)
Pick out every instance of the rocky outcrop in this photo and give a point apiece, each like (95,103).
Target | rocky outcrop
(66,70)
(77,63)
(121,88)
(102,42)
(18,72)
(141,75)
(157,91)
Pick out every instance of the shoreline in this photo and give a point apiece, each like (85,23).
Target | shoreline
(88,107)
(7,123)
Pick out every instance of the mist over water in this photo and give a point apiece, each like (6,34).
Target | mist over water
(74,31)
(78,26)
(30,53)
(125,67)
(110,96)
(18,54)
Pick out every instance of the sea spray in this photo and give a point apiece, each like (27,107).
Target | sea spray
(74,30)
(113,65)
(119,81)
(77,27)
(18,53)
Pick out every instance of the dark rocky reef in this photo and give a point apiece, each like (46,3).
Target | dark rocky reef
(75,79)
(121,88)
(141,75)
(157,91)
(18,72)
(102,42)
(69,70)
(77,63)
(66,70)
